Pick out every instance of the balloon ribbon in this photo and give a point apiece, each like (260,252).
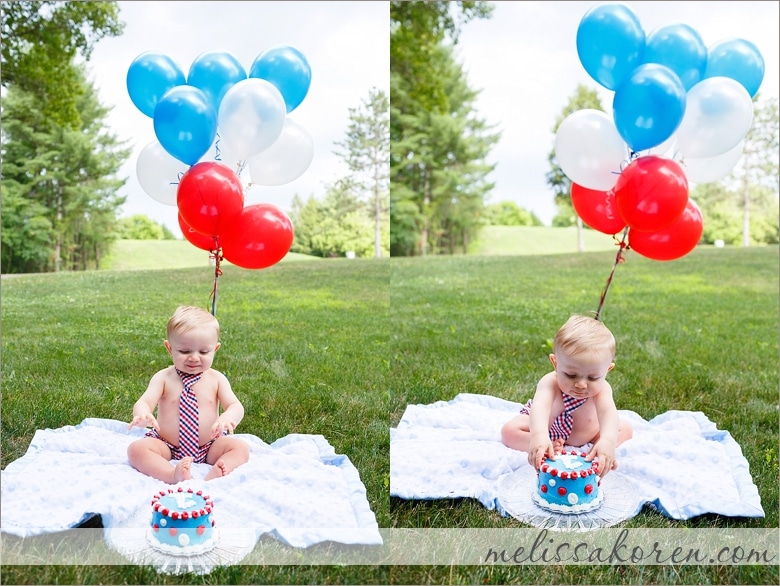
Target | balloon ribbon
(619,259)
(216,256)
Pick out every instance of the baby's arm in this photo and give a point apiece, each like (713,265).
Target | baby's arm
(607,414)
(540,444)
(232,409)
(144,407)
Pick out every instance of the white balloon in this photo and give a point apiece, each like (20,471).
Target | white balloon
(159,173)
(709,169)
(718,114)
(286,159)
(251,117)
(590,150)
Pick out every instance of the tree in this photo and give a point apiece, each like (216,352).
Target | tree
(61,183)
(367,154)
(755,176)
(334,226)
(416,29)
(142,227)
(438,164)
(583,98)
(508,213)
(41,41)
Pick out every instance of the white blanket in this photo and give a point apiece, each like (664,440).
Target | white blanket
(296,489)
(679,461)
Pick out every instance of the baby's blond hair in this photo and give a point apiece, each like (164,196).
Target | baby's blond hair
(187,317)
(582,333)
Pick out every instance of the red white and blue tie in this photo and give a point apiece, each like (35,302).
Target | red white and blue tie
(189,436)
(561,427)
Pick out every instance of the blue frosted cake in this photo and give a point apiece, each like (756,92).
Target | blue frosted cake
(568,484)
(182,522)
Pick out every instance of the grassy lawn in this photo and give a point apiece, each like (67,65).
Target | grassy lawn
(128,255)
(525,240)
(329,348)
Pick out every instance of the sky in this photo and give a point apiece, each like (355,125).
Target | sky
(345,43)
(523,59)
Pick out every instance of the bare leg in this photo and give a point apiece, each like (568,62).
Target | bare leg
(226,454)
(152,457)
(516,433)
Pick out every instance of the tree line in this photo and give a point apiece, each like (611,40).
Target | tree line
(417,180)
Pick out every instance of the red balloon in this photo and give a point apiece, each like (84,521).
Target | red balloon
(673,241)
(202,241)
(597,209)
(651,193)
(260,237)
(210,197)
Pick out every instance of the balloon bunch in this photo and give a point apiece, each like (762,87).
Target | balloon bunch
(209,128)
(671,94)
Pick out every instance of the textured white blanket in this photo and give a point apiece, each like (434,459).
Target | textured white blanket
(680,462)
(296,489)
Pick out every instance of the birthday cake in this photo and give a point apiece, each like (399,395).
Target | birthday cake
(182,522)
(568,484)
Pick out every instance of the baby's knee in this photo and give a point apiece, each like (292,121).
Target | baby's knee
(241,450)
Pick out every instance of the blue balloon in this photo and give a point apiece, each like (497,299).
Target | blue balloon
(149,76)
(738,59)
(610,43)
(288,70)
(215,73)
(681,49)
(648,106)
(185,123)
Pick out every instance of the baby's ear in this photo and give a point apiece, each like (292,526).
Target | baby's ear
(552,359)
(611,366)
(167,345)
(217,346)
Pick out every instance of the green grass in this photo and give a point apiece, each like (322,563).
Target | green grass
(330,348)
(524,240)
(128,255)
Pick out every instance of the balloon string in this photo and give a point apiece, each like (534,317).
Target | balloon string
(619,259)
(215,255)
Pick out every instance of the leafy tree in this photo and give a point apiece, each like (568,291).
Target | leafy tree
(583,98)
(508,213)
(416,30)
(41,41)
(367,153)
(334,226)
(142,227)
(60,183)
(755,177)
(438,146)
(438,168)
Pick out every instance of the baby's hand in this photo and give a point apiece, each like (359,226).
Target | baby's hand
(538,451)
(144,421)
(221,426)
(605,452)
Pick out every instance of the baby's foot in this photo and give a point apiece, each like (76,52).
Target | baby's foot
(182,470)
(217,470)
(558,446)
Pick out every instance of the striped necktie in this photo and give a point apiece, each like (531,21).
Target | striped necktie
(189,436)
(561,427)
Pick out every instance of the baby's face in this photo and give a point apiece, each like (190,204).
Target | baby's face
(193,352)
(581,375)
